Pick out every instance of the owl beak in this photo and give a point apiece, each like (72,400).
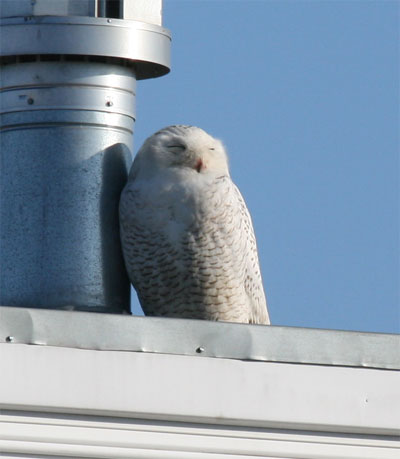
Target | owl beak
(199,165)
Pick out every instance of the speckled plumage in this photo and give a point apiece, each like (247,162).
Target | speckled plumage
(186,233)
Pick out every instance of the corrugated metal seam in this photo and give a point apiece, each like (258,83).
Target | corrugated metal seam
(95,331)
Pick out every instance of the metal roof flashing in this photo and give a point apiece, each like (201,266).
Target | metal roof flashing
(109,332)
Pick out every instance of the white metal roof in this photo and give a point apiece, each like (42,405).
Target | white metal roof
(194,389)
(58,400)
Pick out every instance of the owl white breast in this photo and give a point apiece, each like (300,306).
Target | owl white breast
(186,233)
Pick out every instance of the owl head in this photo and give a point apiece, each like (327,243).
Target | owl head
(181,147)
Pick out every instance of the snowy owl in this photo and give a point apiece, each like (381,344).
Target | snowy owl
(186,233)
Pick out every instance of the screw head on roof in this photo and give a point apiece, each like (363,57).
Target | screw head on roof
(9,339)
(200,349)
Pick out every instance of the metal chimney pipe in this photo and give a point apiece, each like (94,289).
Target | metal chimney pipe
(68,84)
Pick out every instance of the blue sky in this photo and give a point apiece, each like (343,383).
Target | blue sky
(305,96)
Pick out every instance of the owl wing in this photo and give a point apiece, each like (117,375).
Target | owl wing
(252,274)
